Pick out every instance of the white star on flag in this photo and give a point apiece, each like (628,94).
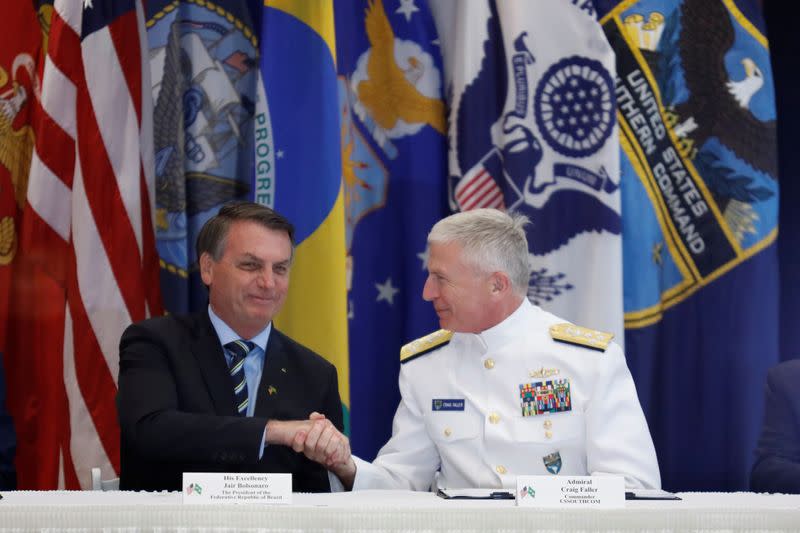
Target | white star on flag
(386,291)
(407,8)
(423,256)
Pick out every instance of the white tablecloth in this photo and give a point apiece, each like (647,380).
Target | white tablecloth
(388,511)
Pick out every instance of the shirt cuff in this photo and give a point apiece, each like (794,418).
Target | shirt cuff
(263,444)
(336,484)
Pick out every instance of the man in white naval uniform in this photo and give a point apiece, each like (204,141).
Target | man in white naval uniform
(505,389)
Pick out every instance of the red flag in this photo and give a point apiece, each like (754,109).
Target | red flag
(86,265)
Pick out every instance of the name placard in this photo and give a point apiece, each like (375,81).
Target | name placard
(215,487)
(596,492)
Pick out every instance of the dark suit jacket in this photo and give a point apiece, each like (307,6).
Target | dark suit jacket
(177,409)
(777,466)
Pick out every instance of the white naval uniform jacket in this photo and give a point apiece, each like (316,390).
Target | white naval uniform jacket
(490,442)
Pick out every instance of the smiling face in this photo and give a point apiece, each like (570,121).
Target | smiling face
(461,295)
(248,285)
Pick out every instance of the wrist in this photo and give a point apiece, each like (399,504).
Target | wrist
(346,473)
(276,432)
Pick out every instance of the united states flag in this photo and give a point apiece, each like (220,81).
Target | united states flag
(86,242)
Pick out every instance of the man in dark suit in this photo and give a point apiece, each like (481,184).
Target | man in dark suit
(777,466)
(222,390)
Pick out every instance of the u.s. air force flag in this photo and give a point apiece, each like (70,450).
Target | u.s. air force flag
(697,130)
(204,66)
(394,169)
(533,130)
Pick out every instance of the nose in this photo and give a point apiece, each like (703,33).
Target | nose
(429,290)
(266,279)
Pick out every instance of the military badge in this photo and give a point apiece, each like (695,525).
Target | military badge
(552,462)
(540,397)
(544,372)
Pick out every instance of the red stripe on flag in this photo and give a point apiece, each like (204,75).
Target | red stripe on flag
(94,378)
(495,200)
(481,195)
(64,48)
(54,146)
(474,186)
(105,202)
(124,32)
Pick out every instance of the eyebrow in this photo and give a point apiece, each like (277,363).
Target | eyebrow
(250,257)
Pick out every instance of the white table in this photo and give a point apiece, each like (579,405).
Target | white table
(388,511)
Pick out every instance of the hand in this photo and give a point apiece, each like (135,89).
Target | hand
(283,432)
(323,443)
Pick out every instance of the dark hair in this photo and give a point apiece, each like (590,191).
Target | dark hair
(214,233)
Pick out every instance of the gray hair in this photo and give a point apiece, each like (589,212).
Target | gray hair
(491,241)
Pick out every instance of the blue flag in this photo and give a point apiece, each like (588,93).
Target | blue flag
(394,168)
(700,196)
(204,64)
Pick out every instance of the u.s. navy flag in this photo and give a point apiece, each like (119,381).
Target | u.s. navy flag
(700,194)
(298,170)
(204,64)
(79,150)
(533,130)
(394,170)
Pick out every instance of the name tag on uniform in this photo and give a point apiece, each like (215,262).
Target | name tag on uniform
(594,492)
(442,404)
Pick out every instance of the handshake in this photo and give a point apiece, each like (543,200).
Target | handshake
(319,440)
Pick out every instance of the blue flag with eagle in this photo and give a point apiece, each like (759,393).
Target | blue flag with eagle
(696,110)
(394,168)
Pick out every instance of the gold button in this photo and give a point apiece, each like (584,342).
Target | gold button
(489,364)
(548,434)
(548,424)
(494,418)
(448,432)
(501,469)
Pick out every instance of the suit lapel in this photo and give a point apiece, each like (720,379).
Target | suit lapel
(211,360)
(274,376)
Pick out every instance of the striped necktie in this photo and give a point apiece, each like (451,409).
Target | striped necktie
(238,350)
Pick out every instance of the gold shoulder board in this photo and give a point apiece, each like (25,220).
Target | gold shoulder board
(572,334)
(425,344)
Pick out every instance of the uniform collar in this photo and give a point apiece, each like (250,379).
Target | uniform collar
(495,337)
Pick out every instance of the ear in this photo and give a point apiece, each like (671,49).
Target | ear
(499,283)
(206,268)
